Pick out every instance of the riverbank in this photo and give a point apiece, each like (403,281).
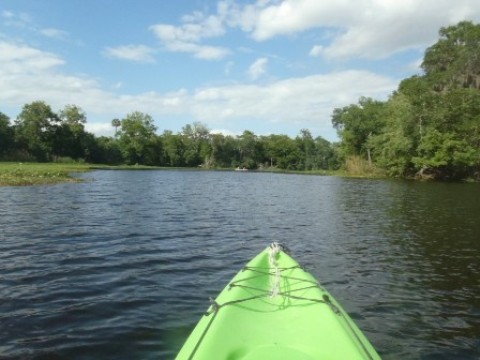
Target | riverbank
(22,174)
(25,174)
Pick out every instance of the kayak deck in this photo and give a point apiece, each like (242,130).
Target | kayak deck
(273,309)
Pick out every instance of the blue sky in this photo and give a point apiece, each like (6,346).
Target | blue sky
(268,66)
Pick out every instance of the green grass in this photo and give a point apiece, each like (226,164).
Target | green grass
(22,174)
(357,167)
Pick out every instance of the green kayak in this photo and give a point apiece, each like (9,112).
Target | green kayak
(273,309)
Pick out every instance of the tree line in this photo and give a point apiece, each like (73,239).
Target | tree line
(40,134)
(430,126)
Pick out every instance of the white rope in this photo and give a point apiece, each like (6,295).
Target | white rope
(275,248)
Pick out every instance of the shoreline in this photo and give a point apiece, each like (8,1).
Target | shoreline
(30,174)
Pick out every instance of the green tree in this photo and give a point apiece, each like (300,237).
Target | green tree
(35,129)
(306,145)
(173,149)
(155,153)
(450,148)
(103,150)
(356,124)
(454,60)
(197,143)
(74,117)
(137,137)
(395,147)
(432,123)
(283,152)
(325,155)
(224,151)
(116,123)
(250,150)
(425,105)
(6,135)
(69,136)
(446,155)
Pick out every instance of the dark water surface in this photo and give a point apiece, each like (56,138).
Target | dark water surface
(122,267)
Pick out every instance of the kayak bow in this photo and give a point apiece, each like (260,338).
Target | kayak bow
(273,309)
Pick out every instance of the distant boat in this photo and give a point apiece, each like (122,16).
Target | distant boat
(241,169)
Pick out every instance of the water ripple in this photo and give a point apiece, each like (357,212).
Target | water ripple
(122,267)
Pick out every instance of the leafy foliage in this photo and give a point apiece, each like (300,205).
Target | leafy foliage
(42,135)
(137,138)
(431,124)
(6,134)
(35,129)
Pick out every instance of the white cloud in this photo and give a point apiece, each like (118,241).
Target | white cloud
(28,74)
(199,51)
(100,129)
(224,132)
(368,28)
(189,36)
(54,33)
(7,14)
(235,14)
(258,68)
(308,101)
(316,50)
(25,60)
(21,19)
(371,29)
(139,53)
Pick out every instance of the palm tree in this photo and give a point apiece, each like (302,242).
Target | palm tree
(116,123)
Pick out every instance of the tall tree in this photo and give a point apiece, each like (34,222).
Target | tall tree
(454,60)
(116,123)
(173,148)
(74,117)
(250,151)
(35,129)
(197,143)
(431,123)
(355,125)
(6,134)
(224,153)
(283,152)
(325,155)
(397,144)
(450,148)
(103,150)
(136,137)
(69,139)
(306,145)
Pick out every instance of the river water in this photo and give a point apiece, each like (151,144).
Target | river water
(122,265)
